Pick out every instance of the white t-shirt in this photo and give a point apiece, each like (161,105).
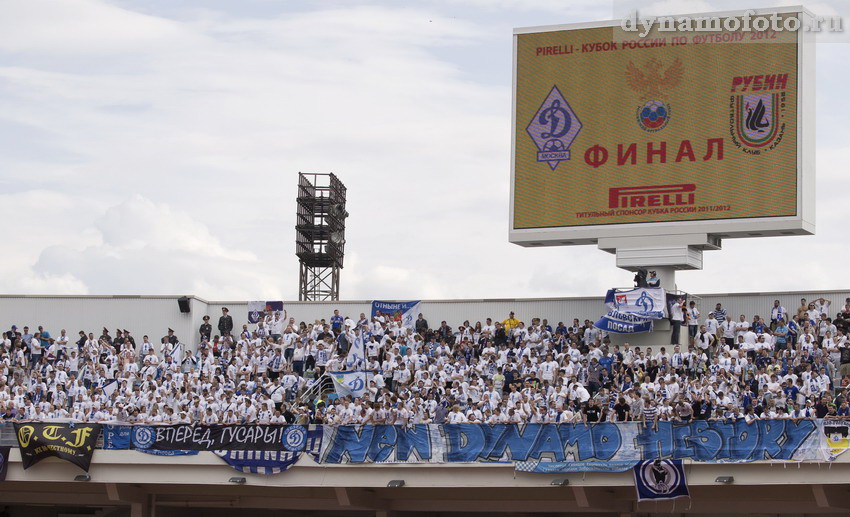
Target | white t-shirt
(676,312)
(741,328)
(693,316)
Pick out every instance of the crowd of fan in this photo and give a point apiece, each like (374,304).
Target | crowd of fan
(787,365)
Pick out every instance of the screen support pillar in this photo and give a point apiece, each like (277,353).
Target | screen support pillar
(662,255)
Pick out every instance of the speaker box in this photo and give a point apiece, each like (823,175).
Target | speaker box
(183,303)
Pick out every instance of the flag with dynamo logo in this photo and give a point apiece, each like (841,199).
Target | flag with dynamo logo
(403,312)
(258,309)
(647,302)
(352,383)
(357,353)
(255,310)
(259,462)
(272,462)
(660,479)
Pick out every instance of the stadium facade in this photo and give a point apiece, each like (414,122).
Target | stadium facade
(136,484)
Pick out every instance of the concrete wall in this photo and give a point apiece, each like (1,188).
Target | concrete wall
(153,315)
(199,485)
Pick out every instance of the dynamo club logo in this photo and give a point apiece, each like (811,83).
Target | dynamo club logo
(295,438)
(645,301)
(653,82)
(553,129)
(353,381)
(143,436)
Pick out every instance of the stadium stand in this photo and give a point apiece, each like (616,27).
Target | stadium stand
(792,363)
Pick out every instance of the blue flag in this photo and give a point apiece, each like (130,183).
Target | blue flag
(259,462)
(403,312)
(623,323)
(116,436)
(271,462)
(660,479)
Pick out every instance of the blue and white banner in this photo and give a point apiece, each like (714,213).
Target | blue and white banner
(560,467)
(270,462)
(157,452)
(259,462)
(623,323)
(660,479)
(575,447)
(356,357)
(647,302)
(352,383)
(545,448)
(246,437)
(405,312)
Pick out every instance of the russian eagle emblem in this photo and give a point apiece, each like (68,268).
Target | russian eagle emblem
(653,81)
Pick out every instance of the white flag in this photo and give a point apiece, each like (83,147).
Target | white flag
(353,383)
(648,302)
(357,353)
(110,387)
(176,353)
(255,309)
(408,319)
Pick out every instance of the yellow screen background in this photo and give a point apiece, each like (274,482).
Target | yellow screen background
(595,86)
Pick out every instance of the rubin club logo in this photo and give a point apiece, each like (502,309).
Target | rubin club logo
(651,196)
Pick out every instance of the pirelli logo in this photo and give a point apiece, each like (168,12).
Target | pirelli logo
(651,196)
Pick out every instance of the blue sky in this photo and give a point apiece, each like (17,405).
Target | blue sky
(152,147)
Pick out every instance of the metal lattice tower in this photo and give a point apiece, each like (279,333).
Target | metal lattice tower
(320,236)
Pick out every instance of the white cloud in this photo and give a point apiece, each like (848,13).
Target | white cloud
(149,246)
(32,220)
(140,224)
(545,6)
(63,27)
